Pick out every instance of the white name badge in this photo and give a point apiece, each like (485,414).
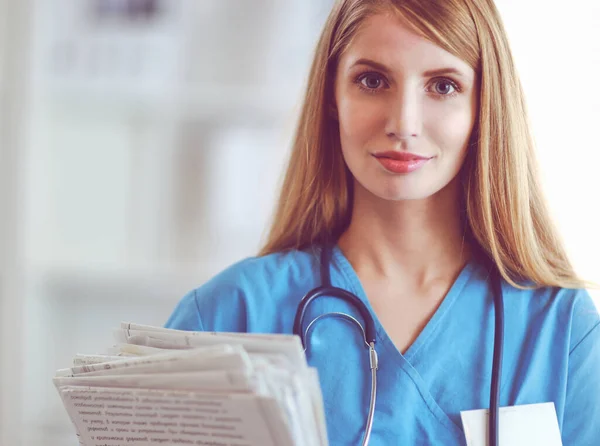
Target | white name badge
(526,425)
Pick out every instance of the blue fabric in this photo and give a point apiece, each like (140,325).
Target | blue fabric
(552,349)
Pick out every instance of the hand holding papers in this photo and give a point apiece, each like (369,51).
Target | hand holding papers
(161,386)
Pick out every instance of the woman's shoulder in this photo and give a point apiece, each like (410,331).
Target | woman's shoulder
(269,268)
(568,313)
(566,330)
(578,313)
(249,294)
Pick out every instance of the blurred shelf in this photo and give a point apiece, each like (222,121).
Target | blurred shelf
(228,101)
(118,282)
(199,102)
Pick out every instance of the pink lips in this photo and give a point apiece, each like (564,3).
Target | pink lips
(400,162)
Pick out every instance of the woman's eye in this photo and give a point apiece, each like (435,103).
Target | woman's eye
(445,87)
(371,81)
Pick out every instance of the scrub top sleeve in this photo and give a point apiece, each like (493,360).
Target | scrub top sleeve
(186,315)
(215,306)
(581,423)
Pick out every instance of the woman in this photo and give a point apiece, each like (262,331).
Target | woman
(413,157)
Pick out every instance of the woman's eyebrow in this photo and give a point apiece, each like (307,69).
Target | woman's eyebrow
(428,73)
(370,63)
(442,71)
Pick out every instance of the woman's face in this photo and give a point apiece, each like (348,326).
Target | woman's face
(399,95)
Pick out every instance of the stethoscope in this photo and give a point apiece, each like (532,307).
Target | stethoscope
(369,334)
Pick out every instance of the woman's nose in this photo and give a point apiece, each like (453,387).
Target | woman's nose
(404,118)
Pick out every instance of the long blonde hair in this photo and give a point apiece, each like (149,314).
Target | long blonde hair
(506,214)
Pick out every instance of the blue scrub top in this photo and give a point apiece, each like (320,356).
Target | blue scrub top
(551,349)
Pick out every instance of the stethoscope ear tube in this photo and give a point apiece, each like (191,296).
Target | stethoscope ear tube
(493,431)
(327,290)
(370,331)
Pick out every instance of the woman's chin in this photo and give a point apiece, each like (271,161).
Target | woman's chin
(395,188)
(403,193)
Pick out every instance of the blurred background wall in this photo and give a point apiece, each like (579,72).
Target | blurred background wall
(142,142)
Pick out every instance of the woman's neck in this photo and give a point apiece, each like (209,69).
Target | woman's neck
(414,242)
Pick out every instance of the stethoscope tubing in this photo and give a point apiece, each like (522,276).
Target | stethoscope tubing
(369,334)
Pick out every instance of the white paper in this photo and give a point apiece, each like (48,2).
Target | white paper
(80,360)
(224,357)
(264,390)
(261,336)
(287,345)
(134,350)
(525,425)
(214,381)
(108,417)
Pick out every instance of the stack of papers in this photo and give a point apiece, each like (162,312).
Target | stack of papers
(161,386)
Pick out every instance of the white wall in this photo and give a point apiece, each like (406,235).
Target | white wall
(557,50)
(14,43)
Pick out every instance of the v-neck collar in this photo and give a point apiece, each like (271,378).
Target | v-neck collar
(347,278)
(355,286)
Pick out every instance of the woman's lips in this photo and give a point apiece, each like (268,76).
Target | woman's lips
(401,162)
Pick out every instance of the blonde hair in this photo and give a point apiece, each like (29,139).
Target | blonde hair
(506,214)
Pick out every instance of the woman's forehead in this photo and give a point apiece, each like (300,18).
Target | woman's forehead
(391,41)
